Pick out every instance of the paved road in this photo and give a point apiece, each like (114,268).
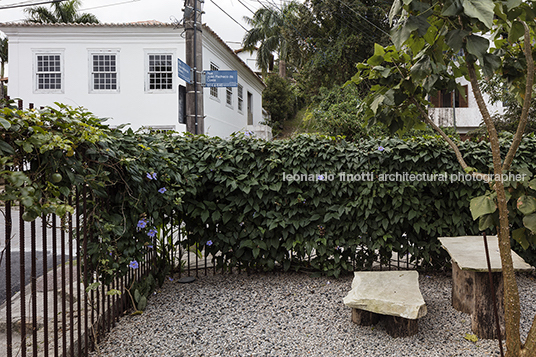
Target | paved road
(15,250)
(15,271)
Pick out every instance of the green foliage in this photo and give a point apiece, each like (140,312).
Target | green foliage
(244,211)
(334,36)
(497,89)
(335,112)
(237,199)
(278,99)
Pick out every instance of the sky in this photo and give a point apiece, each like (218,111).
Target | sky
(121,11)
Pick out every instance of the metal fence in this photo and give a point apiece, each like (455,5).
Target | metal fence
(46,307)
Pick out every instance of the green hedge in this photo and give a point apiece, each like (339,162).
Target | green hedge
(231,196)
(238,201)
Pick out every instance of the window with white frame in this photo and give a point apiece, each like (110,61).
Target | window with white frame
(160,71)
(214,90)
(240,97)
(48,73)
(229,96)
(104,73)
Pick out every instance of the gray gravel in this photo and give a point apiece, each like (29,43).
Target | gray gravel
(291,314)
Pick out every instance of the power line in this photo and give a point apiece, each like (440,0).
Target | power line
(32,4)
(364,18)
(240,1)
(117,3)
(232,18)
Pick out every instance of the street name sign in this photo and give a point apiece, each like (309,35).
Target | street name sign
(185,72)
(221,79)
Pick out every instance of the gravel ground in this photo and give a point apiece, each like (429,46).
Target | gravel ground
(292,314)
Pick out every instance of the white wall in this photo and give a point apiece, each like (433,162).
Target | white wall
(467,119)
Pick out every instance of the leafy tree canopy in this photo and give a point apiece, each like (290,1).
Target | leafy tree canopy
(435,43)
(61,12)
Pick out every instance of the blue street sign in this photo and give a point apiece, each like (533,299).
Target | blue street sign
(221,79)
(185,72)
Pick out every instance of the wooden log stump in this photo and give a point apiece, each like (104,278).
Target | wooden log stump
(400,327)
(364,318)
(462,289)
(483,317)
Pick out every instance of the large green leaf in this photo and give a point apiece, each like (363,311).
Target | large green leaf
(520,236)
(481,10)
(530,222)
(452,8)
(526,204)
(395,10)
(455,38)
(422,68)
(516,31)
(486,222)
(481,206)
(477,45)
(491,64)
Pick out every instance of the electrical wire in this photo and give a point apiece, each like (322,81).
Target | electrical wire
(240,1)
(32,4)
(239,24)
(114,4)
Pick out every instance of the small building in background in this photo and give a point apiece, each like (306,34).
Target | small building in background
(459,109)
(128,73)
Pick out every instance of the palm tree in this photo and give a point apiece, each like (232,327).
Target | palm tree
(268,27)
(61,12)
(3,61)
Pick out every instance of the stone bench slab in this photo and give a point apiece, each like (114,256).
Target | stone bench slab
(393,293)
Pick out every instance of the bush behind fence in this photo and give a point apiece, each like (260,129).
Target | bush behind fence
(238,199)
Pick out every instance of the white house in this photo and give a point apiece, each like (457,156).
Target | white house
(128,73)
(464,114)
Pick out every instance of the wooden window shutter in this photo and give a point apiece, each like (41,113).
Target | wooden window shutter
(435,99)
(463,97)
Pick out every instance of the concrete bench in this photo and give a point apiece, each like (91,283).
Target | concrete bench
(393,296)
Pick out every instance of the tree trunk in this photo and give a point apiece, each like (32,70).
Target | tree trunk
(282,68)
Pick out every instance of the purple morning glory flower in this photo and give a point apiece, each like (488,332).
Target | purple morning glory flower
(152,233)
(110,253)
(154,175)
(133,264)
(142,223)
(381,148)
(320,177)
(149,176)
(162,190)
(209,243)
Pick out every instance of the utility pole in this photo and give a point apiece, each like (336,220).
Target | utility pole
(194,58)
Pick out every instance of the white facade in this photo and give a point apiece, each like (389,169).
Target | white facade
(110,70)
(466,118)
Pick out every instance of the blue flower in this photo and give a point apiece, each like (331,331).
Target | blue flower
(162,190)
(170,279)
(154,175)
(133,264)
(150,246)
(320,177)
(142,223)
(111,254)
(209,243)
(149,176)
(152,233)
(381,148)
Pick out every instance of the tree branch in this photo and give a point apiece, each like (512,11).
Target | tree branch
(451,143)
(526,105)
